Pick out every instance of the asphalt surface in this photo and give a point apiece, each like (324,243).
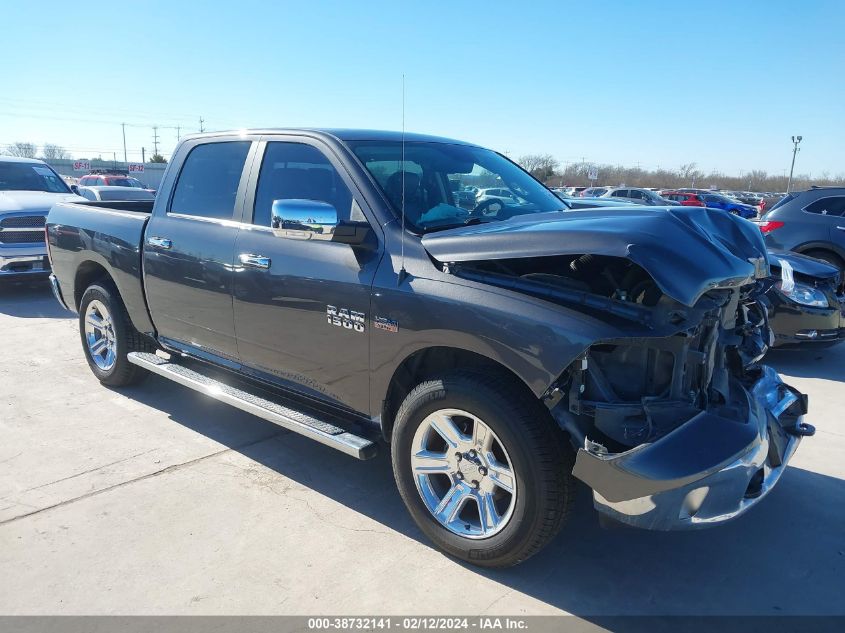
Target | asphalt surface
(155,500)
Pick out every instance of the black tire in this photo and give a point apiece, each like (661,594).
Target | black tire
(126,337)
(540,459)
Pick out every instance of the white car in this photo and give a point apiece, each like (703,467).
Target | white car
(28,188)
(116,193)
(505,195)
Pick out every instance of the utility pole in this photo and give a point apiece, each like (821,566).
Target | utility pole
(143,155)
(795,150)
(178,130)
(123,125)
(155,140)
(202,129)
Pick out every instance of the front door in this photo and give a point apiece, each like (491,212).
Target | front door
(189,250)
(302,307)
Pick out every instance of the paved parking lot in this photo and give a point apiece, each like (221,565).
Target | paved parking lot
(154,500)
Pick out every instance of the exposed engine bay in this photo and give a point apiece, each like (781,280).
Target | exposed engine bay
(623,392)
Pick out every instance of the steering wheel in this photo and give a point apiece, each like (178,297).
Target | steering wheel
(486,208)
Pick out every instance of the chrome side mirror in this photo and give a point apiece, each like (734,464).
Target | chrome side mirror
(296,219)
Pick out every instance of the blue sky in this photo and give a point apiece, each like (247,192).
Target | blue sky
(722,84)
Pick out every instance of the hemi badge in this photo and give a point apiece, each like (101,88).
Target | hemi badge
(383,323)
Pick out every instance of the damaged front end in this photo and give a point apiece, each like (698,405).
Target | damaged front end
(675,421)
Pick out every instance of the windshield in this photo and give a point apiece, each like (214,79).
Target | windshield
(30,177)
(451,185)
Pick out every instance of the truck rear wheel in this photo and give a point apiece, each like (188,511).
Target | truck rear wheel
(481,468)
(108,336)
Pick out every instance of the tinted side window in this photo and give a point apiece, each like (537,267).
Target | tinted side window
(208,182)
(637,194)
(834,205)
(620,193)
(298,171)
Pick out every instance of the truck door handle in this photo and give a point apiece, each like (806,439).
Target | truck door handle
(841,228)
(159,242)
(254,261)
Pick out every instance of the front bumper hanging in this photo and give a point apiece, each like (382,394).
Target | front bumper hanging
(709,470)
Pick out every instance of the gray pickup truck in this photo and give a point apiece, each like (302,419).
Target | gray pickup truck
(329,281)
(28,188)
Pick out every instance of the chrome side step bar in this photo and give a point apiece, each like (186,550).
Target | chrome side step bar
(291,419)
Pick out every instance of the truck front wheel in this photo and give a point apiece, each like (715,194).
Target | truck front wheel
(108,336)
(481,468)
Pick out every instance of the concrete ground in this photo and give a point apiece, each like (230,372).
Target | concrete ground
(154,500)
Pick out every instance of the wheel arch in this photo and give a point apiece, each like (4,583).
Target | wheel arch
(428,362)
(91,266)
(829,247)
(87,273)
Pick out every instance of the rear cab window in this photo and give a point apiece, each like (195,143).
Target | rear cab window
(208,183)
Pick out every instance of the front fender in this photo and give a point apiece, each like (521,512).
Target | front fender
(534,339)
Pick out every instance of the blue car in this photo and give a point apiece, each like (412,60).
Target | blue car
(718,201)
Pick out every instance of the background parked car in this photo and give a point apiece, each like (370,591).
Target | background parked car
(591,203)
(28,188)
(112,178)
(503,194)
(115,193)
(684,198)
(809,222)
(638,195)
(804,305)
(718,201)
(593,192)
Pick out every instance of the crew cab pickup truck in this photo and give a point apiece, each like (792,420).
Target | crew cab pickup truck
(329,281)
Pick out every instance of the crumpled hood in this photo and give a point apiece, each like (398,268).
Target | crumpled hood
(686,250)
(33,200)
(803,265)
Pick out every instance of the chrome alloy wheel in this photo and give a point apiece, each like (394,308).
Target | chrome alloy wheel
(463,474)
(99,335)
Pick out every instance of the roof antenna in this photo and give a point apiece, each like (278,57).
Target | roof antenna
(402,272)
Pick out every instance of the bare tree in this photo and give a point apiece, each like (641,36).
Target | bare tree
(541,166)
(22,150)
(54,152)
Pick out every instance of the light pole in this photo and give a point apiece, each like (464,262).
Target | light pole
(795,150)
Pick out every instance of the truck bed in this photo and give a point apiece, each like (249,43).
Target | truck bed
(86,238)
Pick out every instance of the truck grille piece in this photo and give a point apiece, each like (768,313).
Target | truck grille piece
(24,222)
(21,237)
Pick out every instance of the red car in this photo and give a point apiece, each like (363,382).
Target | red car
(687,199)
(110,179)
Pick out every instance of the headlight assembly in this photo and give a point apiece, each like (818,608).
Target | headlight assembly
(803,294)
(798,292)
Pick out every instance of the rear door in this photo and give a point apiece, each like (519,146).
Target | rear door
(830,210)
(189,249)
(637,196)
(302,307)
